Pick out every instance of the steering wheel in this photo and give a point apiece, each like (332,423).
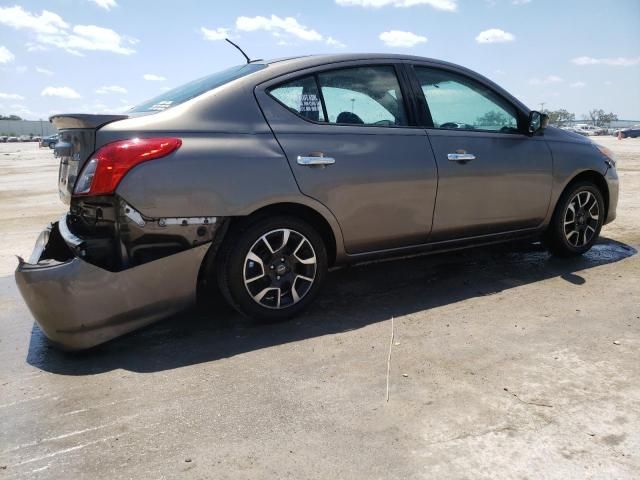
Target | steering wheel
(450,125)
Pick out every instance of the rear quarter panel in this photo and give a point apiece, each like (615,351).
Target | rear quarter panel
(222,174)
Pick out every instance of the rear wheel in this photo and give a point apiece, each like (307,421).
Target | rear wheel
(577,220)
(272,269)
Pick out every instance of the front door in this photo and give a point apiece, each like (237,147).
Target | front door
(347,138)
(492,177)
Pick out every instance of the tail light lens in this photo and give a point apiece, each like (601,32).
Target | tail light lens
(109,164)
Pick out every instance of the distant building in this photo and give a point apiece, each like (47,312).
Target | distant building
(614,124)
(40,128)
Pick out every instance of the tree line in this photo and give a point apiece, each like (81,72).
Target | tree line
(597,117)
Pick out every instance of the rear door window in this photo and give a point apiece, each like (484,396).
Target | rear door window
(368,95)
(363,96)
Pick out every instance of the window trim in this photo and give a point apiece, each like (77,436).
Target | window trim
(324,105)
(428,119)
(404,90)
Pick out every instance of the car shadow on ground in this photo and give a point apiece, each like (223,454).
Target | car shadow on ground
(353,297)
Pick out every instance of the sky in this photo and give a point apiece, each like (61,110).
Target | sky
(104,56)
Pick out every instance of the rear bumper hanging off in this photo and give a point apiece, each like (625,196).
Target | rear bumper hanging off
(79,305)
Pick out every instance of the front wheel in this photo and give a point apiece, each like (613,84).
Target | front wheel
(272,269)
(577,220)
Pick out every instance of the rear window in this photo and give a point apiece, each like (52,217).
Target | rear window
(193,89)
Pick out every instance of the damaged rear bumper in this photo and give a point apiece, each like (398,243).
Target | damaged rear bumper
(79,305)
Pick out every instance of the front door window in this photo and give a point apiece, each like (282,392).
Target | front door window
(457,102)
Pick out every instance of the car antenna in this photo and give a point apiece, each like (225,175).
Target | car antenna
(242,52)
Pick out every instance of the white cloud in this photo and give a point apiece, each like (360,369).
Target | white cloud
(288,26)
(98,107)
(62,92)
(398,38)
(153,78)
(521,2)
(44,71)
(577,85)
(11,96)
(445,5)
(219,33)
(92,38)
(51,30)
(47,22)
(611,61)
(277,24)
(111,89)
(495,35)
(548,80)
(5,55)
(22,68)
(106,4)
(334,43)
(24,112)
(35,47)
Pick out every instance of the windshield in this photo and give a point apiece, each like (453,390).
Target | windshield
(197,87)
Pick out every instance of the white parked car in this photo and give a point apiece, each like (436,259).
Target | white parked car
(587,130)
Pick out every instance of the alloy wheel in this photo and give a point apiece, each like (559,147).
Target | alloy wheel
(280,268)
(581,219)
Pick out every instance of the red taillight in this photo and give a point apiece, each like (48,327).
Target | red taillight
(107,166)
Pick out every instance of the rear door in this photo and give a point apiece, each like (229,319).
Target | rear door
(493,178)
(351,145)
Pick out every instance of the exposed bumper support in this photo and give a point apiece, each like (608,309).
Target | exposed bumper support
(79,305)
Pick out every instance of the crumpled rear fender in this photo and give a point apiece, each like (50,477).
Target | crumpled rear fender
(79,305)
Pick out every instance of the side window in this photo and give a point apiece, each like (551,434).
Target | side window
(457,102)
(301,96)
(363,96)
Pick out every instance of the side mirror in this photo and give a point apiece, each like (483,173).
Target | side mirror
(537,121)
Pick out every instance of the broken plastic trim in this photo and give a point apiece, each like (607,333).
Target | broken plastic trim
(136,217)
(69,238)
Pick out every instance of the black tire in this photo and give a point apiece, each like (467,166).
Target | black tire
(578,236)
(235,267)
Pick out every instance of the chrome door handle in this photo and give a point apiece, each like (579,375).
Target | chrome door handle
(315,160)
(461,157)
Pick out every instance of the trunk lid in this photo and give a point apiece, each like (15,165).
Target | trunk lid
(76,143)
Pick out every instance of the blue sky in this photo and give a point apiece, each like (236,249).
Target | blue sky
(105,55)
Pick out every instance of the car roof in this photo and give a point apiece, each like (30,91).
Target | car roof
(320,59)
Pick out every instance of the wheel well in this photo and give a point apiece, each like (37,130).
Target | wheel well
(596,178)
(301,212)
